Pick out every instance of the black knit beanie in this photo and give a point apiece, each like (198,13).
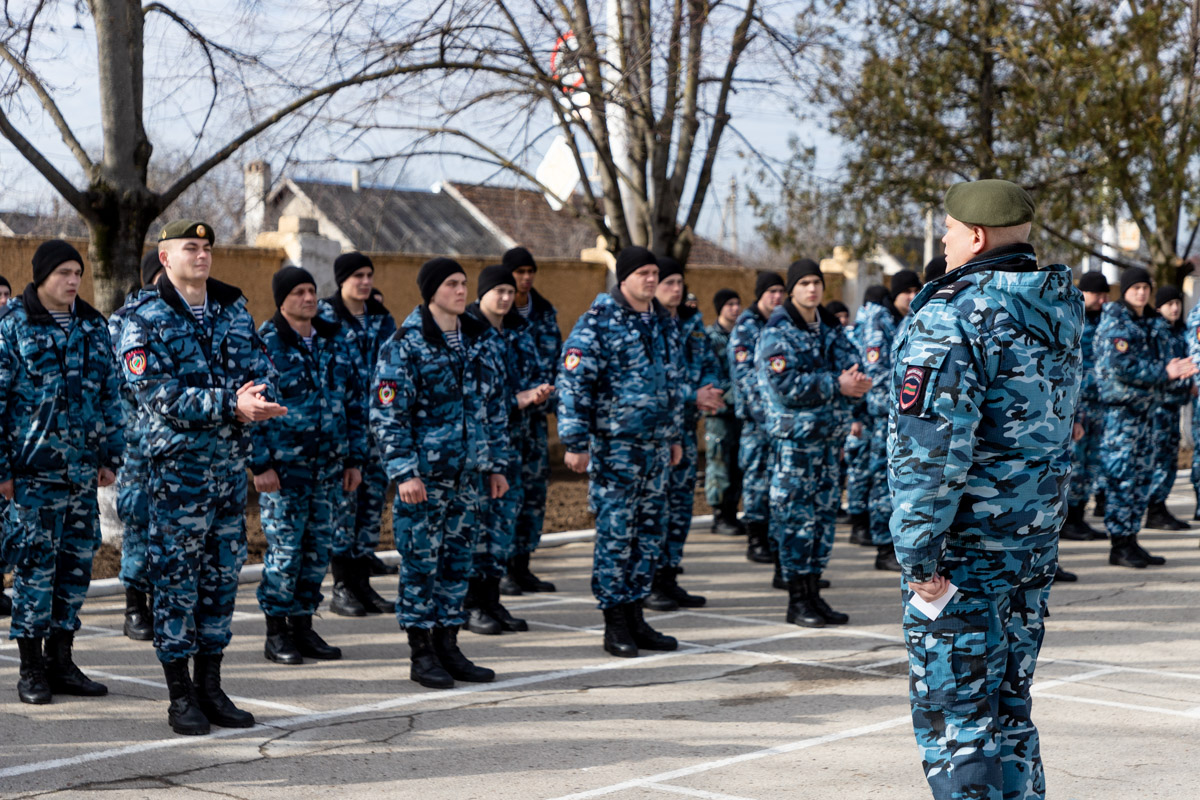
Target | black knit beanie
(765,281)
(667,267)
(289,278)
(802,269)
(150,266)
(1166,294)
(904,280)
(723,296)
(1093,282)
(493,276)
(837,307)
(347,264)
(631,259)
(876,294)
(4,282)
(518,257)
(936,268)
(49,256)
(434,273)
(1133,276)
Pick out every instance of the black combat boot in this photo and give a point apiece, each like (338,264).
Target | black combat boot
(618,641)
(478,619)
(1062,576)
(62,674)
(758,549)
(800,610)
(370,599)
(722,526)
(1125,554)
(309,642)
(445,644)
(659,599)
(860,524)
(5,600)
(1153,561)
(214,703)
(1076,528)
(818,602)
(645,637)
(1159,517)
(495,610)
(138,622)
(677,593)
(378,567)
(777,580)
(1101,504)
(344,603)
(279,646)
(885,558)
(33,688)
(184,713)
(427,668)
(518,570)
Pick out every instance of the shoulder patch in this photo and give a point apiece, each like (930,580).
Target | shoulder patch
(778,364)
(912,389)
(740,354)
(386,392)
(572,359)
(950,291)
(872,355)
(1121,345)
(135,361)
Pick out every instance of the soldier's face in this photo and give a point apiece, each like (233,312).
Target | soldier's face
(770,300)
(729,312)
(808,291)
(1171,311)
(670,291)
(904,300)
(451,296)
(641,284)
(843,318)
(301,303)
(58,291)
(963,242)
(1094,301)
(524,278)
(4,295)
(498,300)
(1138,295)
(187,260)
(359,285)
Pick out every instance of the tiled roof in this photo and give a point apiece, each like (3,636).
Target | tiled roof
(16,223)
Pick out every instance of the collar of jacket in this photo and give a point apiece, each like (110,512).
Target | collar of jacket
(539,303)
(372,306)
(512,321)
(220,293)
(794,313)
(687,312)
(323,328)
(1006,258)
(471,326)
(36,312)
(655,306)
(1147,313)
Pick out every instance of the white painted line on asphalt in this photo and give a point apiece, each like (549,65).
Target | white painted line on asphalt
(1162,673)
(887,662)
(666,787)
(1040,687)
(1170,712)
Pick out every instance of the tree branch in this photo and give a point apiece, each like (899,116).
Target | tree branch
(39,162)
(68,136)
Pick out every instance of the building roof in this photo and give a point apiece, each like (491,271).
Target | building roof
(16,223)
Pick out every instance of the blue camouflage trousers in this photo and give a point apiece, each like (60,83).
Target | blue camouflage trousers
(49,539)
(360,513)
(1085,455)
(1165,421)
(534,450)
(299,523)
(970,674)
(722,475)
(196,548)
(628,495)
(497,527)
(804,502)
(857,454)
(1196,449)
(1127,467)
(133,509)
(879,503)
(755,460)
(436,541)
(681,497)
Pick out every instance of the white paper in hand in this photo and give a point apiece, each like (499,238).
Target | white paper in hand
(933,610)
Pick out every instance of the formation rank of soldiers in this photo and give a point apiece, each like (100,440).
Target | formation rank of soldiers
(329,401)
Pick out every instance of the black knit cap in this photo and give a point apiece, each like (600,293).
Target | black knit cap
(347,264)
(837,307)
(518,257)
(1166,294)
(434,273)
(904,280)
(49,256)
(802,269)
(723,296)
(765,281)
(4,282)
(667,267)
(631,259)
(150,266)
(936,268)
(876,294)
(287,279)
(1133,276)
(1093,282)
(493,276)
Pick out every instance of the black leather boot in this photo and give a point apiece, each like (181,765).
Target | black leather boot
(184,714)
(1153,561)
(818,602)
(138,622)
(758,549)
(308,642)
(377,567)
(1062,576)
(860,529)
(33,688)
(1075,528)
(678,593)
(5,600)
(214,703)
(279,646)
(618,641)
(495,610)
(1159,517)
(645,637)
(724,527)
(885,558)
(445,644)
(518,568)
(800,610)
(1101,504)
(62,674)
(659,599)
(427,668)
(1124,554)
(344,603)
(777,581)
(478,619)
(370,599)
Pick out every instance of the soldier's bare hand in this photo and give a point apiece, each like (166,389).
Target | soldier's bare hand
(676,454)
(105,477)
(267,482)
(251,407)
(6,490)
(412,491)
(856,429)
(1178,368)
(1076,432)
(351,478)
(534,396)
(932,589)
(576,462)
(497,486)
(709,398)
(853,383)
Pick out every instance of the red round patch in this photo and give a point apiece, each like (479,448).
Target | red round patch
(386,392)
(135,361)
(872,355)
(1121,345)
(574,356)
(778,364)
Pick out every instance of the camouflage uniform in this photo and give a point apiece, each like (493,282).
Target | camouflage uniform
(185,375)
(360,513)
(1085,453)
(323,434)
(534,442)
(986,378)
(61,421)
(438,414)
(1192,337)
(807,418)
(1165,417)
(754,456)
(722,433)
(879,325)
(619,397)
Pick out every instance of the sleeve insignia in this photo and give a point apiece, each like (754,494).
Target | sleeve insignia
(574,356)
(1121,345)
(912,389)
(135,361)
(778,364)
(872,355)
(740,354)
(386,392)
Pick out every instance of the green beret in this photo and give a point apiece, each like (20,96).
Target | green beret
(186,229)
(989,204)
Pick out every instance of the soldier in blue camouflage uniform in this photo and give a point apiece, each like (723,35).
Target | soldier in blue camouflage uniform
(755,455)
(620,418)
(1192,336)
(859,479)
(1168,302)
(304,463)
(701,392)
(367,324)
(534,442)
(722,429)
(809,378)
(61,421)
(524,385)
(5,602)
(1089,416)
(986,377)
(1134,368)
(200,377)
(438,414)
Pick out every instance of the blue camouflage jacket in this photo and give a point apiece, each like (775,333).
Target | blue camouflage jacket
(718,340)
(985,384)
(517,354)
(134,421)
(548,341)
(699,363)
(365,337)
(1088,392)
(325,429)
(185,374)
(748,404)
(620,378)
(437,412)
(60,410)
(876,328)
(1175,393)
(798,373)
(1131,357)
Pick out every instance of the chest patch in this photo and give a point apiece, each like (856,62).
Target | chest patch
(574,356)
(386,392)
(912,389)
(740,354)
(872,355)
(135,361)
(778,364)
(1121,345)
